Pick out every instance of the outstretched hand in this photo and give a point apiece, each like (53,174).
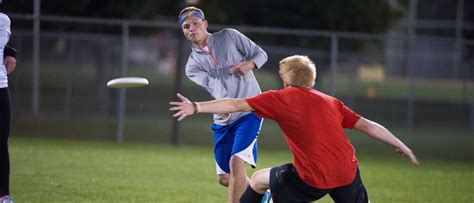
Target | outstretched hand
(405,151)
(185,108)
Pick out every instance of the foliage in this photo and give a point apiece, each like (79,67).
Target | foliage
(342,15)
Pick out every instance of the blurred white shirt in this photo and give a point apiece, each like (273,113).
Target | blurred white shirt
(4,37)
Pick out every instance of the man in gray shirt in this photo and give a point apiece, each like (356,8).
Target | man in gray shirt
(222,63)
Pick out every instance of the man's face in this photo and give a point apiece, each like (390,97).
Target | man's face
(194,29)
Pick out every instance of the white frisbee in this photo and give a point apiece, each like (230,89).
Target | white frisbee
(126,82)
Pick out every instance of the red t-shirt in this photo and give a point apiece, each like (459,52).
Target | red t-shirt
(313,123)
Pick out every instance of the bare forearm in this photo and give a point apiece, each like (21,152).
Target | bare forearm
(217,106)
(223,106)
(380,133)
(186,108)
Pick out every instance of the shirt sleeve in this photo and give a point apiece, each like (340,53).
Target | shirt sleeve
(9,51)
(252,51)
(349,117)
(199,76)
(266,104)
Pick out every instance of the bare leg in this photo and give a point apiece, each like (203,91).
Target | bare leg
(260,181)
(224,179)
(258,186)
(238,181)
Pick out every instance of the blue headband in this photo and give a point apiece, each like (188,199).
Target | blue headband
(187,15)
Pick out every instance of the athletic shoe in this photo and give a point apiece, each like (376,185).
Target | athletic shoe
(266,197)
(6,199)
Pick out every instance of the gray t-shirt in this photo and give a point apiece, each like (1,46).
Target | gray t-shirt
(209,68)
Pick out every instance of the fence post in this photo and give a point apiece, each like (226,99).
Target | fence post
(471,123)
(177,87)
(122,92)
(36,58)
(70,74)
(411,52)
(334,50)
(469,86)
(458,40)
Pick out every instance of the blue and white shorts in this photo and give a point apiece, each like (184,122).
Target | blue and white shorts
(238,138)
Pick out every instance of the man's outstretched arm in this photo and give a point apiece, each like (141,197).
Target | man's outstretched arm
(380,133)
(186,107)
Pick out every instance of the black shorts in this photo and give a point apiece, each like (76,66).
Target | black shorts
(286,186)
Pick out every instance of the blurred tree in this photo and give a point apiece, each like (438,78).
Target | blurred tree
(446,10)
(437,9)
(342,15)
(142,9)
(469,33)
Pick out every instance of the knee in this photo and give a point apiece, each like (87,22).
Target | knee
(236,163)
(254,180)
(235,160)
(259,182)
(224,180)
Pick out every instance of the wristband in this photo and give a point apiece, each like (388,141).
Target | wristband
(197,108)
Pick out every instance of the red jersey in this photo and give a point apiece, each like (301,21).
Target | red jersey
(313,123)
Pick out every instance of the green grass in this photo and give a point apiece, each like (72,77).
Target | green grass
(433,142)
(73,170)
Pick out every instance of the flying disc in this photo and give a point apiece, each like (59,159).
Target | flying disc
(126,82)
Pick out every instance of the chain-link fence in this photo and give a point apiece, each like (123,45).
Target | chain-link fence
(402,81)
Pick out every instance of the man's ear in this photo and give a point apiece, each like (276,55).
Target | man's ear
(205,23)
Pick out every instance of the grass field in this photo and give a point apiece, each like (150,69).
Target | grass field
(71,170)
